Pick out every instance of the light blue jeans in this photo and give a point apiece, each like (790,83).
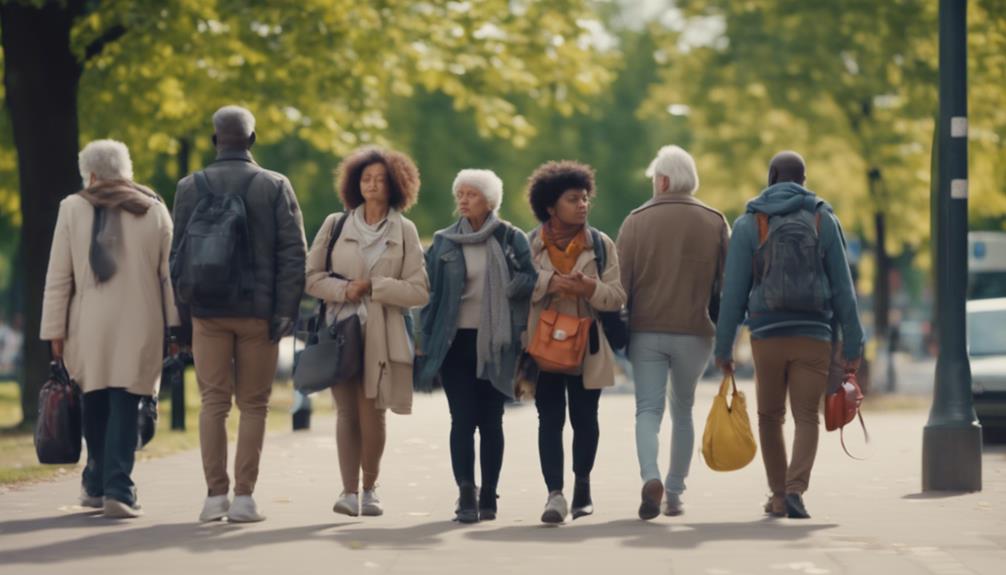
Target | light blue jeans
(652,356)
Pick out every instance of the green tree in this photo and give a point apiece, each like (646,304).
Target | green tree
(321,71)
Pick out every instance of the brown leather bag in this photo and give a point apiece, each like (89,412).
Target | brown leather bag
(842,406)
(560,342)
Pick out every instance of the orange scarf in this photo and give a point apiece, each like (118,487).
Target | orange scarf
(564,259)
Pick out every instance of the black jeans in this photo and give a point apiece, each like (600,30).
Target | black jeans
(110,429)
(550,399)
(474,403)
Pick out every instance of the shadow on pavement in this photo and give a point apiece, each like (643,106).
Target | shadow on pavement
(192,537)
(935,495)
(422,536)
(636,533)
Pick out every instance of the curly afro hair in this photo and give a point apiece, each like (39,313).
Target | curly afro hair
(403,177)
(552,179)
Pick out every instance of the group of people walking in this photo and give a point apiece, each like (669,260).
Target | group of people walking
(227,272)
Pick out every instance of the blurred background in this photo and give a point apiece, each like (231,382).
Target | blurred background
(507,85)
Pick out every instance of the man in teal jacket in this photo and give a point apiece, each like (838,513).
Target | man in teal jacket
(793,309)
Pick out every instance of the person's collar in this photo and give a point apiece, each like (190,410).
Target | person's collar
(235,155)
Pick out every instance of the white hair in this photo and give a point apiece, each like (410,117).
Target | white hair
(678,166)
(234,122)
(485,181)
(106,159)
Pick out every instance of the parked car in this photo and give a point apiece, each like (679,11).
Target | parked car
(987,349)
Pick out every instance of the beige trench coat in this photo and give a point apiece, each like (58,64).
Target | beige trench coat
(598,368)
(399,283)
(113,332)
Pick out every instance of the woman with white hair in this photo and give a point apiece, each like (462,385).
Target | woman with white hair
(108,302)
(481,277)
(672,250)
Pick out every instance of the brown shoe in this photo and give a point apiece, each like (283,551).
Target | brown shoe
(653,492)
(776,506)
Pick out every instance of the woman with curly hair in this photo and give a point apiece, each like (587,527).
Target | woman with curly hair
(566,253)
(377,272)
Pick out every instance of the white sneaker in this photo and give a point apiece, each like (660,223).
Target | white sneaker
(214,508)
(115,509)
(371,504)
(348,504)
(556,508)
(244,510)
(89,501)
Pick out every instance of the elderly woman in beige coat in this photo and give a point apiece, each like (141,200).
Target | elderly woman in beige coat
(107,303)
(377,272)
(565,251)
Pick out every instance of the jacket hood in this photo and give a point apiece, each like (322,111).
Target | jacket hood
(785,198)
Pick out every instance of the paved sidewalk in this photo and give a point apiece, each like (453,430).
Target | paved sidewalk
(868,516)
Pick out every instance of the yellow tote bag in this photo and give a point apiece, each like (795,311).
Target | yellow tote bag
(727,443)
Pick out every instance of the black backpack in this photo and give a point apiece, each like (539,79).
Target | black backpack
(789,263)
(616,328)
(214,262)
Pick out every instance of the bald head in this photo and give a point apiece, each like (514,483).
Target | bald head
(233,128)
(787,167)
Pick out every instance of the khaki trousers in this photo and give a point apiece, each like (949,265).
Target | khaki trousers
(797,366)
(359,435)
(234,359)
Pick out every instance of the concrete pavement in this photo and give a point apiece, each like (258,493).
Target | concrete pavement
(868,516)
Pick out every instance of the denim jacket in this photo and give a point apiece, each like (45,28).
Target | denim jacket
(438,320)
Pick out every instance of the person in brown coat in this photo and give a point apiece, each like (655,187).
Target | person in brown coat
(377,272)
(107,303)
(672,250)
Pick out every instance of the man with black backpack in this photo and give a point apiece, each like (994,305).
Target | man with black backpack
(237,265)
(787,271)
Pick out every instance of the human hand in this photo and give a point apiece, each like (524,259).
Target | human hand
(727,366)
(584,285)
(851,365)
(56,346)
(280,328)
(559,284)
(357,289)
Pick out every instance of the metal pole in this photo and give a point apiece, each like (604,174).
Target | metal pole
(952,439)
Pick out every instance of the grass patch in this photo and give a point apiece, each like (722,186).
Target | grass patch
(879,402)
(18,463)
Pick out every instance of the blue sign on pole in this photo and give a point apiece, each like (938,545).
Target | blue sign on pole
(978,250)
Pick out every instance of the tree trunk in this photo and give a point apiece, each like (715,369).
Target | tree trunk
(41,76)
(885,377)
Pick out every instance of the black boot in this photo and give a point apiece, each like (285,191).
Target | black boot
(582,504)
(487,504)
(795,508)
(468,504)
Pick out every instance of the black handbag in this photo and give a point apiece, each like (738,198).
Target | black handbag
(332,354)
(59,428)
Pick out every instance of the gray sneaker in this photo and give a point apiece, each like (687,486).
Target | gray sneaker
(89,500)
(348,504)
(370,505)
(215,508)
(244,510)
(556,509)
(115,509)
(672,505)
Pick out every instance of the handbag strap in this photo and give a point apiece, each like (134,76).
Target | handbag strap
(333,238)
(866,434)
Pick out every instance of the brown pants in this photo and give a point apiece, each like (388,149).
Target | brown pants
(234,358)
(799,366)
(359,435)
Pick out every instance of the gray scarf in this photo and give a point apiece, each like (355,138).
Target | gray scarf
(494,326)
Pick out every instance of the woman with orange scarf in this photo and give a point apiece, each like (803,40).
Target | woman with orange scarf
(566,251)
